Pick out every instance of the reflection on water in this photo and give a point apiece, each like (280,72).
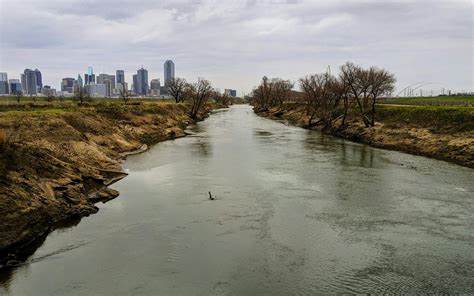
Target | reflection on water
(297,213)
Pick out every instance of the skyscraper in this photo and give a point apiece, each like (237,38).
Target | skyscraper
(169,70)
(142,82)
(80,83)
(39,80)
(4,89)
(15,86)
(89,77)
(155,86)
(67,84)
(135,84)
(103,77)
(30,82)
(120,74)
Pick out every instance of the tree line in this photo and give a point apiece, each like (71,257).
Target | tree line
(328,99)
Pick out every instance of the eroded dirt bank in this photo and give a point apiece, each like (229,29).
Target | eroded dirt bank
(56,164)
(441,133)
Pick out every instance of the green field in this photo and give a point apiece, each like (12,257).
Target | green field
(432,101)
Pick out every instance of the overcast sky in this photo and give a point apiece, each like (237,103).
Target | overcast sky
(235,43)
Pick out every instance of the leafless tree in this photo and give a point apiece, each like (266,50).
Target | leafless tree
(18,95)
(262,95)
(199,93)
(322,98)
(124,94)
(381,83)
(222,98)
(176,88)
(81,95)
(281,90)
(364,87)
(50,97)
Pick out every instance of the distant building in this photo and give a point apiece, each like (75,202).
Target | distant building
(89,77)
(230,92)
(135,83)
(168,70)
(23,82)
(80,83)
(142,82)
(155,86)
(120,75)
(4,87)
(67,85)
(15,86)
(102,77)
(39,81)
(108,87)
(31,84)
(48,91)
(96,90)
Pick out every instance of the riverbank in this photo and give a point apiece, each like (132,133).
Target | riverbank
(441,132)
(55,164)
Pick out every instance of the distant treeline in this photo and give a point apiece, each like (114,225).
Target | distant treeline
(329,98)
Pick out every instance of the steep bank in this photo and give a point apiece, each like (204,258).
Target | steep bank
(55,164)
(445,133)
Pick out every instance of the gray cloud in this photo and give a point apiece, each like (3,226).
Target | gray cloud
(235,43)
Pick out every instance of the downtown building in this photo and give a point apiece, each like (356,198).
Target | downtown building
(67,85)
(32,81)
(140,82)
(15,86)
(155,86)
(230,92)
(108,81)
(168,70)
(89,77)
(4,87)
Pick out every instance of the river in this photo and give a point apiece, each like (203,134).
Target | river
(296,212)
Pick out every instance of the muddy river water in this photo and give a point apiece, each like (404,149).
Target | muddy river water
(296,212)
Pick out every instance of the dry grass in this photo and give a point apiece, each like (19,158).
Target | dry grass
(3,137)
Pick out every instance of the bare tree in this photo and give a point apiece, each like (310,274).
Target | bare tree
(81,95)
(222,98)
(281,90)
(381,83)
(262,95)
(18,95)
(124,94)
(50,97)
(176,88)
(199,93)
(322,98)
(365,86)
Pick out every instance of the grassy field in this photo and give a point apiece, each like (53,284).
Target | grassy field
(437,118)
(42,103)
(432,101)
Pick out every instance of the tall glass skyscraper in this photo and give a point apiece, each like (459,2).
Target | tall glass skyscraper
(89,77)
(39,80)
(4,89)
(142,82)
(169,70)
(120,75)
(30,82)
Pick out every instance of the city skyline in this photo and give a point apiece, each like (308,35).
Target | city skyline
(235,44)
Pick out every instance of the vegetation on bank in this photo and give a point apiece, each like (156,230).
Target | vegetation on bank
(328,99)
(350,104)
(466,101)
